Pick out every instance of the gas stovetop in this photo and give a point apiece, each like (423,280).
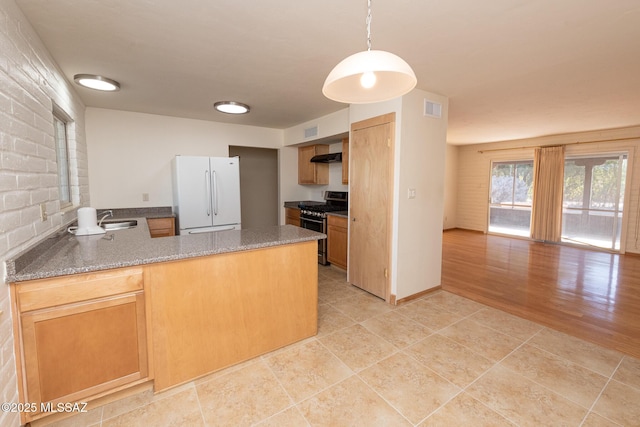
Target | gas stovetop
(335,201)
(323,208)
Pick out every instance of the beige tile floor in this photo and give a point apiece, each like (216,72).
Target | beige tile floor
(441,360)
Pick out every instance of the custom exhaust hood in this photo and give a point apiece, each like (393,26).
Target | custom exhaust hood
(327,158)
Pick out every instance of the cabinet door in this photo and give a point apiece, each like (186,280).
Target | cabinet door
(79,350)
(370,200)
(161,227)
(312,173)
(292,216)
(337,245)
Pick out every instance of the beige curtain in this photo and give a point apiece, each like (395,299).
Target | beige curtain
(548,183)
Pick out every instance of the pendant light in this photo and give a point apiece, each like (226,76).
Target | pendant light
(369,76)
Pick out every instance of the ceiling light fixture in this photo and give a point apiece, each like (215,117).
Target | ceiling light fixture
(369,76)
(96,82)
(231,107)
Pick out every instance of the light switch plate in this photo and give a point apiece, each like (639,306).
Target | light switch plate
(411,193)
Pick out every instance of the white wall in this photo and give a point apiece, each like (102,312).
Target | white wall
(130,153)
(474,170)
(328,126)
(30,82)
(418,163)
(450,188)
(422,167)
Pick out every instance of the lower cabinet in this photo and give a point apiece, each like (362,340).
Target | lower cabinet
(81,336)
(162,227)
(292,216)
(337,238)
(212,312)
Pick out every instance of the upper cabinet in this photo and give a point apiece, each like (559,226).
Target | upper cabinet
(345,161)
(312,173)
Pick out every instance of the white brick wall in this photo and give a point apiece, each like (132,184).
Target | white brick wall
(474,172)
(30,82)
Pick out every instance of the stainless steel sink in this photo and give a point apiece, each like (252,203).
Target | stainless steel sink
(116,224)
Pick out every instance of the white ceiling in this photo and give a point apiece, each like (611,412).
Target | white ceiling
(511,68)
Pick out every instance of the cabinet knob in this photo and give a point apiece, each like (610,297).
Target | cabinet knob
(354,220)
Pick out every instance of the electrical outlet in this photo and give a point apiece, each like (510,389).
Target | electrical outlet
(43,212)
(411,193)
(145,197)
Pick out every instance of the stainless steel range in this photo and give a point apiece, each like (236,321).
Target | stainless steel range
(313,216)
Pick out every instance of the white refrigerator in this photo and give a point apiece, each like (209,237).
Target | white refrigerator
(206,193)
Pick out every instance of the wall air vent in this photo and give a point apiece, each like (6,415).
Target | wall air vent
(432,109)
(311,132)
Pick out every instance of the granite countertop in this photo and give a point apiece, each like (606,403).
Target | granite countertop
(64,253)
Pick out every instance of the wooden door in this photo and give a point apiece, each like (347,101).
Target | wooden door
(371,177)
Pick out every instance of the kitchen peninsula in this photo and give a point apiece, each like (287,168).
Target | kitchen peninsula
(98,314)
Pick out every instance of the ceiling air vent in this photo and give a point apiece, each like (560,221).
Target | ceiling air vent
(432,109)
(311,132)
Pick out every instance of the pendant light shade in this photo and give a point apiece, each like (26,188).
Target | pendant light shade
(369,76)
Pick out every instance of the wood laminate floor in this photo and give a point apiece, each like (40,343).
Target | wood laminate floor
(588,294)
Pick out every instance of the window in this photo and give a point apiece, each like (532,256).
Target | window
(593,200)
(62,156)
(511,194)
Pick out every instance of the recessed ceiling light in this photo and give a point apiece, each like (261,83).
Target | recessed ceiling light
(231,107)
(96,82)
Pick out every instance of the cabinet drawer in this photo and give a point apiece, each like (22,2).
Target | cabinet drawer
(337,221)
(37,294)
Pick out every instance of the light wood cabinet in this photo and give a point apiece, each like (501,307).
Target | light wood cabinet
(345,161)
(162,227)
(337,239)
(80,336)
(292,216)
(216,311)
(312,173)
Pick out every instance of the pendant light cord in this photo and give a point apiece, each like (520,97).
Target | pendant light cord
(369,25)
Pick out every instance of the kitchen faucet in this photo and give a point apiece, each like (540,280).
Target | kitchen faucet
(105,214)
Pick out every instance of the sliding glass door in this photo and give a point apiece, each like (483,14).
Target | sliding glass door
(593,200)
(511,193)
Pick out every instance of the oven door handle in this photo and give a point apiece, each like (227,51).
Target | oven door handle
(312,220)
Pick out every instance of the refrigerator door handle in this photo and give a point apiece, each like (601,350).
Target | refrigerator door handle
(215,193)
(208,187)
